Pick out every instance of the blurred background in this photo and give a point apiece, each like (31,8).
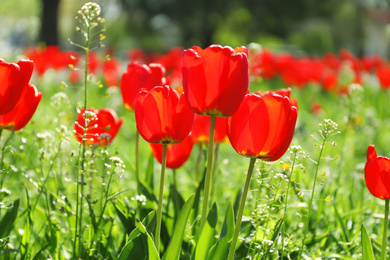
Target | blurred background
(299,27)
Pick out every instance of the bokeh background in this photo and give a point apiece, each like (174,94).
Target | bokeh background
(299,27)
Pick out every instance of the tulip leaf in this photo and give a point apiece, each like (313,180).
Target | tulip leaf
(177,199)
(152,251)
(8,220)
(206,237)
(135,246)
(221,249)
(174,247)
(126,220)
(368,253)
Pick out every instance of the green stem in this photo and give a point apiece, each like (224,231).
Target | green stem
(312,198)
(208,173)
(160,198)
(285,205)
(241,209)
(137,161)
(384,238)
(2,171)
(80,184)
(2,156)
(199,157)
(214,170)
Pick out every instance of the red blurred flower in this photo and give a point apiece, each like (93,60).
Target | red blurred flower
(383,74)
(263,126)
(102,126)
(14,78)
(215,79)
(162,115)
(201,129)
(21,114)
(111,72)
(316,108)
(329,80)
(177,154)
(377,174)
(140,76)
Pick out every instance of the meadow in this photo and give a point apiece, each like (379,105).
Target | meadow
(67,195)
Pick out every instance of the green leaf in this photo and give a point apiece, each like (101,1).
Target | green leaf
(237,203)
(149,172)
(174,247)
(206,237)
(152,251)
(368,254)
(92,215)
(221,249)
(340,219)
(177,199)
(116,195)
(127,221)
(8,220)
(135,248)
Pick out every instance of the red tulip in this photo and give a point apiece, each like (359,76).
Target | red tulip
(177,154)
(215,79)
(139,76)
(383,74)
(14,78)
(21,114)
(162,115)
(201,129)
(263,126)
(377,174)
(102,126)
(111,72)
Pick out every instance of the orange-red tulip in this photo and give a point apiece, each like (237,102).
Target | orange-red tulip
(140,76)
(102,126)
(14,77)
(162,115)
(177,154)
(201,129)
(263,126)
(215,80)
(21,114)
(377,174)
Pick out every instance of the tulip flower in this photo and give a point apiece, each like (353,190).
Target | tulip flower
(262,128)
(376,174)
(14,77)
(215,80)
(21,114)
(177,154)
(101,128)
(163,117)
(137,77)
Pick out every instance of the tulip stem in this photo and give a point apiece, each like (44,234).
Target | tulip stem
(208,173)
(286,202)
(160,197)
(137,162)
(311,198)
(241,209)
(2,171)
(385,224)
